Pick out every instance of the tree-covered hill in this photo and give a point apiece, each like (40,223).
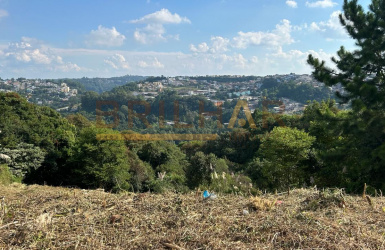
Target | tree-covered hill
(302,93)
(100,85)
(33,135)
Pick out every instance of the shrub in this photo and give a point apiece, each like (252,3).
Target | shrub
(24,158)
(6,176)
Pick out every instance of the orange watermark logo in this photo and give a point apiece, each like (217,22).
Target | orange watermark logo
(241,104)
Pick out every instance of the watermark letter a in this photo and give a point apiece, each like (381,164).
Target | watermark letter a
(237,109)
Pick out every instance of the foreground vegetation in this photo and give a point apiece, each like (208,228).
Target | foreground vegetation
(324,146)
(42,217)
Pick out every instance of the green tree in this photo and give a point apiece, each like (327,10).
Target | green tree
(283,149)
(362,76)
(23,122)
(96,163)
(202,167)
(191,147)
(238,145)
(324,121)
(165,158)
(160,153)
(24,158)
(79,121)
(89,100)
(142,174)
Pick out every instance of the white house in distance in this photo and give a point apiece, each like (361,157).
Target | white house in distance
(65,88)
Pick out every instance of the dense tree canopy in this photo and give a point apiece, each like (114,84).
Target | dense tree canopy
(362,74)
(33,131)
(283,150)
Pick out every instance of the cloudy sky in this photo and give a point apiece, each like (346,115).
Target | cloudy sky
(104,38)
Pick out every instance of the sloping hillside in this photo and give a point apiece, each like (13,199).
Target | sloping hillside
(105,84)
(37,217)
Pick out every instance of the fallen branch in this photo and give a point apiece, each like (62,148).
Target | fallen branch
(173,246)
(6,225)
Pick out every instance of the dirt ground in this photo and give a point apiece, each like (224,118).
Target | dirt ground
(42,217)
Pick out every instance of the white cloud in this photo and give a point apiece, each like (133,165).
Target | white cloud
(154,31)
(295,60)
(153,64)
(300,27)
(157,64)
(218,45)
(281,35)
(332,28)
(32,55)
(67,67)
(321,4)
(150,33)
(291,3)
(142,64)
(200,48)
(254,59)
(117,61)
(30,59)
(315,27)
(3,13)
(162,16)
(120,62)
(240,61)
(105,37)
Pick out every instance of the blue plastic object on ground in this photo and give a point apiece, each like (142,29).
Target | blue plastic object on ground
(206,194)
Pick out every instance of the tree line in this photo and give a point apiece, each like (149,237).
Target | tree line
(324,146)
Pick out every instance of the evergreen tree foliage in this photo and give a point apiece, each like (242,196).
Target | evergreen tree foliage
(362,74)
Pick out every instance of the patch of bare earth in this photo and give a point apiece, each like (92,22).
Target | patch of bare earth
(41,217)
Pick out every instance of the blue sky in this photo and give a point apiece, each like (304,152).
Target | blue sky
(100,38)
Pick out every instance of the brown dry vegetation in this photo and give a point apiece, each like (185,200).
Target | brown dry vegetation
(41,217)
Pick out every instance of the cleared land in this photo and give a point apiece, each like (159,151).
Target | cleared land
(41,217)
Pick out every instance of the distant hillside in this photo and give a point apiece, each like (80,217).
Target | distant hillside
(105,84)
(298,92)
(226,78)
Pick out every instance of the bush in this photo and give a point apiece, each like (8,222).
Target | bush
(226,183)
(172,183)
(6,176)
(158,186)
(24,158)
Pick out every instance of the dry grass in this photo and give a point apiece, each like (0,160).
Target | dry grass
(41,217)
(260,203)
